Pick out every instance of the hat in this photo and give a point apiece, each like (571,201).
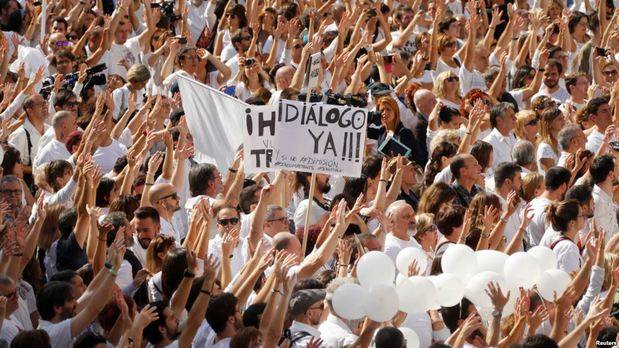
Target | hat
(302,300)
(378,89)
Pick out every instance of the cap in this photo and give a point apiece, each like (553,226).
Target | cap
(378,89)
(302,300)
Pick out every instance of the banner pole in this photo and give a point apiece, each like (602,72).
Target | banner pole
(310,202)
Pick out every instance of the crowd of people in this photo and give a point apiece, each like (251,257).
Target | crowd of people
(116,232)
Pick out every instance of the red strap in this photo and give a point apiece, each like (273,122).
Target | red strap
(560,239)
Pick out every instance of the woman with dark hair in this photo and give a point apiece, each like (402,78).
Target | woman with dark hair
(482,151)
(437,169)
(234,18)
(525,84)
(126,204)
(436,197)
(566,218)
(11,163)
(30,339)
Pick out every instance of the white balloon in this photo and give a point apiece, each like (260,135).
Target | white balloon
(382,302)
(406,256)
(449,289)
(475,290)
(399,279)
(545,257)
(374,268)
(490,260)
(521,269)
(411,337)
(416,295)
(346,301)
(459,260)
(551,281)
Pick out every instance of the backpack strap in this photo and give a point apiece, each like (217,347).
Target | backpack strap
(29,147)
(298,336)
(557,241)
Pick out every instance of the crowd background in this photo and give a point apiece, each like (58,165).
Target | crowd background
(116,232)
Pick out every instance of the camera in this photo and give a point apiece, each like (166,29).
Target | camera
(249,61)
(374,117)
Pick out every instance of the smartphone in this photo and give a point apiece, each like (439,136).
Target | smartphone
(602,52)
(181,40)
(249,61)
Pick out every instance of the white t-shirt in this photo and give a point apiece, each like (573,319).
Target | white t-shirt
(537,226)
(299,214)
(568,256)
(106,156)
(594,141)
(544,150)
(54,150)
(59,334)
(393,245)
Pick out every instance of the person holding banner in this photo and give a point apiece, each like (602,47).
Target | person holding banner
(287,139)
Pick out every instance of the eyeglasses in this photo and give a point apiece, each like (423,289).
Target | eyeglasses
(72,104)
(72,37)
(610,72)
(452,79)
(532,122)
(12,192)
(172,195)
(226,222)
(282,220)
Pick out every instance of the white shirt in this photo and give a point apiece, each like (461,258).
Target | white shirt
(544,150)
(560,95)
(568,256)
(594,141)
(299,214)
(237,260)
(10,328)
(470,80)
(297,327)
(196,19)
(537,226)
(106,156)
(213,342)
(19,140)
(513,223)
(335,333)
(59,334)
(138,251)
(501,146)
(605,212)
(46,138)
(393,245)
(121,100)
(125,276)
(54,150)
(168,229)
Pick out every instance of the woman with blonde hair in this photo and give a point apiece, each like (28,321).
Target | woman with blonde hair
(548,150)
(436,197)
(527,126)
(532,186)
(427,233)
(447,89)
(392,127)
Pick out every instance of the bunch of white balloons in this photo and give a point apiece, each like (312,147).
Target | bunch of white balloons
(381,293)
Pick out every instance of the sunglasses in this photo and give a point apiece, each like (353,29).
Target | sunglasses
(533,122)
(226,222)
(452,79)
(173,196)
(297,46)
(610,72)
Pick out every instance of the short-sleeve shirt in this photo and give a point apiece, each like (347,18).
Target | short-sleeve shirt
(59,333)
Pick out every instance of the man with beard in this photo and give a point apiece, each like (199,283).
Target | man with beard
(306,308)
(224,317)
(165,332)
(146,225)
(164,198)
(10,16)
(12,325)
(402,217)
(551,88)
(320,204)
(508,179)
(63,316)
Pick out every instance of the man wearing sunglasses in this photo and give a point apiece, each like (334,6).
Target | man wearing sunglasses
(229,224)
(164,198)
(13,322)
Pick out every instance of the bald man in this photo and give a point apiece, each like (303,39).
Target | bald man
(283,78)
(164,198)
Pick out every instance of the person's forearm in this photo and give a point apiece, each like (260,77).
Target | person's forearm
(30,242)
(232,196)
(494,330)
(180,296)
(99,256)
(299,74)
(516,242)
(178,175)
(121,324)
(499,81)
(248,286)
(195,317)
(168,162)
(514,335)
(394,189)
(226,271)
(317,259)
(276,326)
(265,290)
(92,241)
(203,240)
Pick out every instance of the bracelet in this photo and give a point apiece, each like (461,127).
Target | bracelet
(148,184)
(188,274)
(205,292)
(541,69)
(232,170)
(113,272)
(343,265)
(108,265)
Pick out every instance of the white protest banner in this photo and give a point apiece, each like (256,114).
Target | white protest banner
(258,135)
(313,70)
(320,138)
(215,120)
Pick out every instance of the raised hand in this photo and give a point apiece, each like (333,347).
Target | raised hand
(498,299)
(147,315)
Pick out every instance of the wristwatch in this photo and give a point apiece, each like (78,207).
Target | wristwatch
(496,313)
